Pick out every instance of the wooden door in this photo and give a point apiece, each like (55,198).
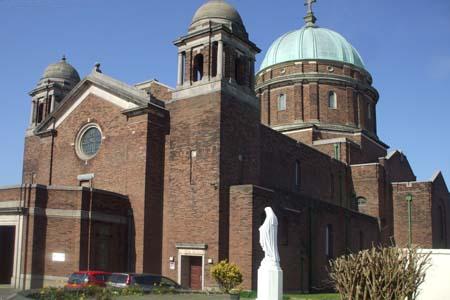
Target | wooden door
(195,273)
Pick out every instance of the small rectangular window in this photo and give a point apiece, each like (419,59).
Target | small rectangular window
(183,67)
(337,151)
(329,241)
(298,175)
(369,111)
(282,102)
(332,100)
(192,158)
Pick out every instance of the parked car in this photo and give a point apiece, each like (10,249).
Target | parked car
(84,279)
(146,281)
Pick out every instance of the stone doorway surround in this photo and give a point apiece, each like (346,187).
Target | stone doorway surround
(184,252)
(16,221)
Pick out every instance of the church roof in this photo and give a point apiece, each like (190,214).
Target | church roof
(135,97)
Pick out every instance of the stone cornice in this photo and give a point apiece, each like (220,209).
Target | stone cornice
(208,87)
(214,29)
(330,127)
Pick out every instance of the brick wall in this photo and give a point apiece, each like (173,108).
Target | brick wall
(321,176)
(308,101)
(55,221)
(130,161)
(421,213)
(302,223)
(440,213)
(192,187)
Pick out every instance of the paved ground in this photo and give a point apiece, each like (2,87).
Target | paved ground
(5,291)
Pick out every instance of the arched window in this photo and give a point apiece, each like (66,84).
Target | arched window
(332,100)
(361,202)
(40,112)
(198,68)
(215,60)
(281,102)
(183,67)
(369,111)
(239,70)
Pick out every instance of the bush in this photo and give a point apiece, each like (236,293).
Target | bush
(227,275)
(161,289)
(93,292)
(379,273)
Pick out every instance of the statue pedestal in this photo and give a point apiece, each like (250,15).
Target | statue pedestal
(270,282)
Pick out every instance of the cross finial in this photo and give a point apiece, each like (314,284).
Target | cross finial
(310,19)
(310,3)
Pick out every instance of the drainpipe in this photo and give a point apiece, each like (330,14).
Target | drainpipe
(53,132)
(130,241)
(409,199)
(26,204)
(310,246)
(91,196)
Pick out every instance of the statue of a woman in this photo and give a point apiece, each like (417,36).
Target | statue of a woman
(268,238)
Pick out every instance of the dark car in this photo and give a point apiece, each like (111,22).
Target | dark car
(146,281)
(84,279)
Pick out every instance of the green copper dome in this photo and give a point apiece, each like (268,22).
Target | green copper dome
(312,43)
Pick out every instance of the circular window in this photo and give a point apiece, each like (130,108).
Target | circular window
(89,142)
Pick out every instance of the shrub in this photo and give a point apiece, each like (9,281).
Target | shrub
(92,292)
(161,289)
(132,290)
(379,273)
(227,275)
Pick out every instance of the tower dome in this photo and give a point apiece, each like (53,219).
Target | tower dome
(61,70)
(314,79)
(217,9)
(218,12)
(312,43)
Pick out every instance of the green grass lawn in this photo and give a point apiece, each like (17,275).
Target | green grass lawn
(294,296)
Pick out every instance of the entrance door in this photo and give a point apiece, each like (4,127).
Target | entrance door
(7,238)
(195,281)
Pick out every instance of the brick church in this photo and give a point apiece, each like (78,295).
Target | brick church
(149,178)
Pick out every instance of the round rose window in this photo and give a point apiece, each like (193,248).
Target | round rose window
(89,142)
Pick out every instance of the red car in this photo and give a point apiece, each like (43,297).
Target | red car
(84,279)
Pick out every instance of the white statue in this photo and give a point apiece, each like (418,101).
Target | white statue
(270,275)
(268,233)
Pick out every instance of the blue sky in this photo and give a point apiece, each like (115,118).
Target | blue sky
(405,45)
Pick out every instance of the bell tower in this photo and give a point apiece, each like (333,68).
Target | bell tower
(56,82)
(216,53)
(213,142)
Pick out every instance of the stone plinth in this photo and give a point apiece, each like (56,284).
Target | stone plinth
(270,282)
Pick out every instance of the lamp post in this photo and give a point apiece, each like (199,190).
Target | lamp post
(409,199)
